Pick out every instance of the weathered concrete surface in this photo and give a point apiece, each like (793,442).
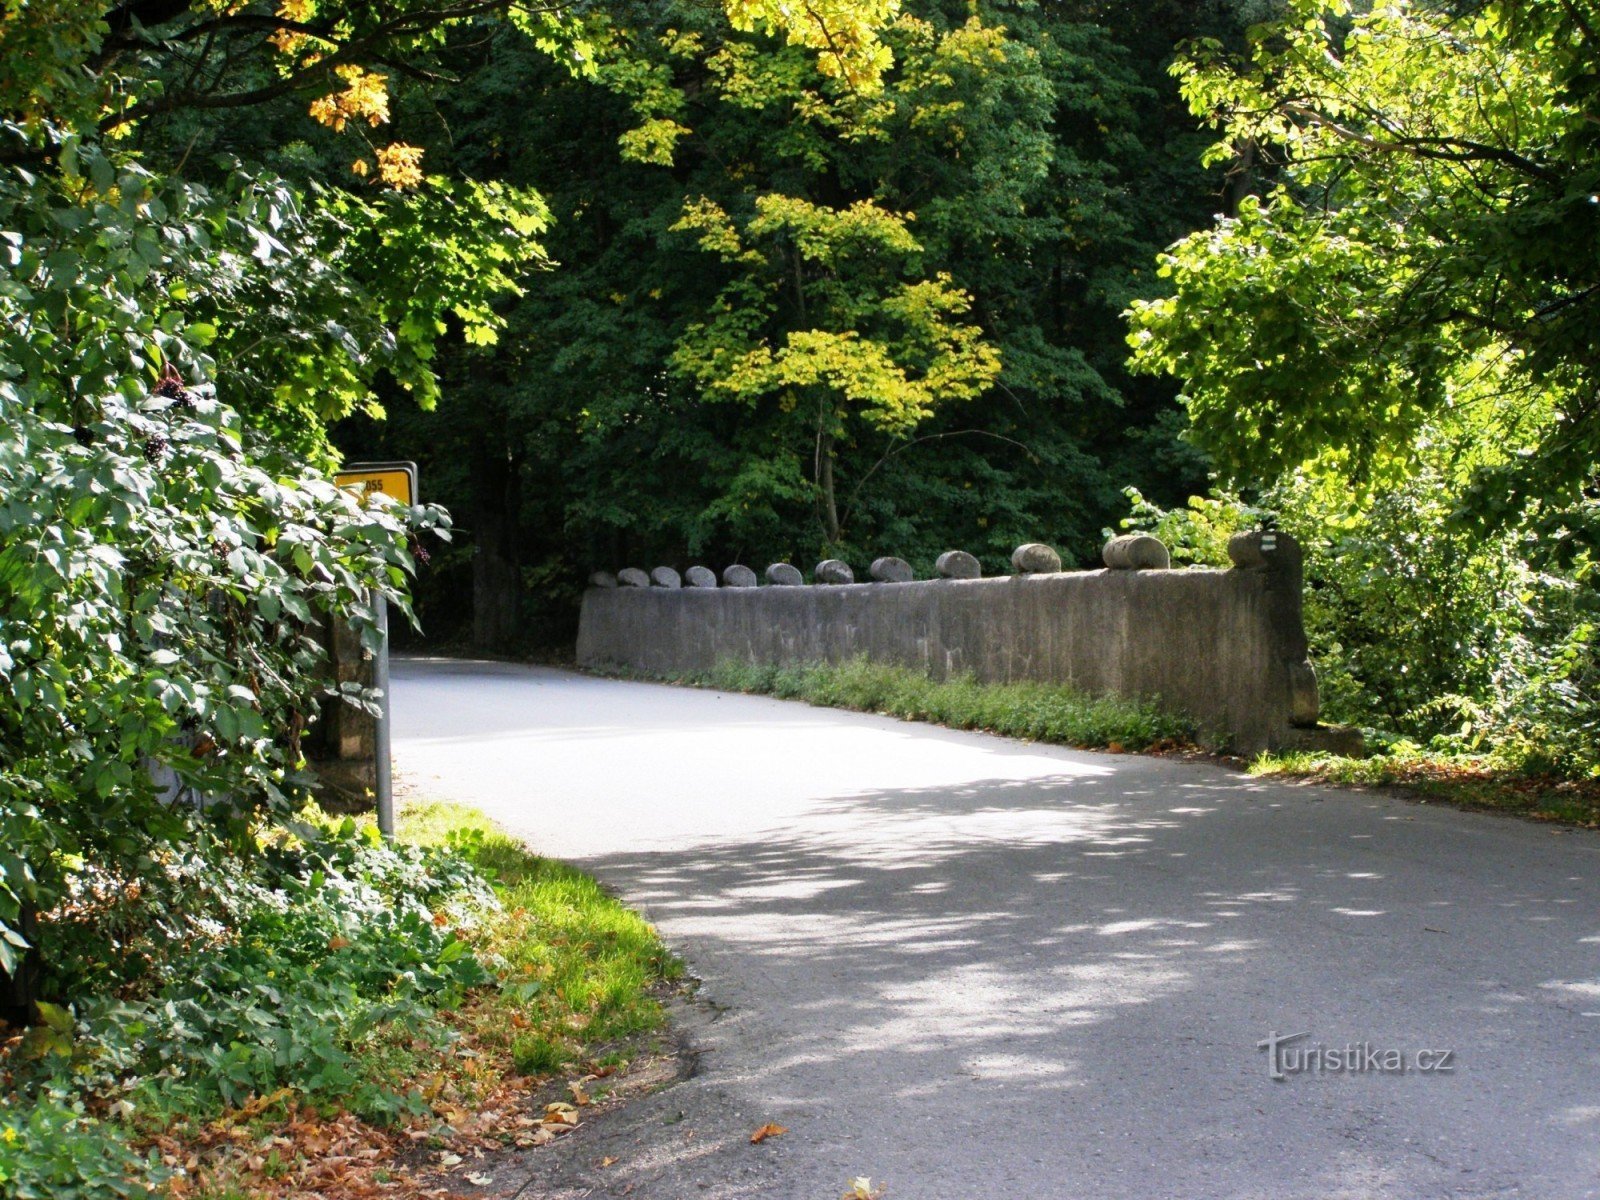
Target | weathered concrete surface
(1138,552)
(700,577)
(1225,647)
(958,564)
(1035,558)
(833,571)
(889,569)
(975,968)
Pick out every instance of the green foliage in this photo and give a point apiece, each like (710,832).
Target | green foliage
(283,972)
(1043,712)
(1024,159)
(1422,627)
(863,337)
(1427,244)
(578,967)
(158,599)
(1196,534)
(329,972)
(51,1149)
(1396,343)
(292,970)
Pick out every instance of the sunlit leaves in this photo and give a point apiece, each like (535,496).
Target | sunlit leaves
(843,32)
(825,301)
(1434,221)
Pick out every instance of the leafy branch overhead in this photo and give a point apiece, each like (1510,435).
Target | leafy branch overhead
(1426,245)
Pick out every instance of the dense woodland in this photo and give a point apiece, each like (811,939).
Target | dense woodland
(1014,181)
(646,283)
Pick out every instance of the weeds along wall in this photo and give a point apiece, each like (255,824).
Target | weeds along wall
(1224,647)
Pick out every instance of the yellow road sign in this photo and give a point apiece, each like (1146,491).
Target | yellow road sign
(397,480)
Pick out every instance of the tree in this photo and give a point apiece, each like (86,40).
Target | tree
(1032,159)
(164,560)
(1428,248)
(818,316)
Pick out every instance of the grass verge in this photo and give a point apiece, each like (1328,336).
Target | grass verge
(1044,712)
(329,1017)
(1475,782)
(1054,713)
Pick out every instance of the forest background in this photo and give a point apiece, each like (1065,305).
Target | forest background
(656,283)
(786,319)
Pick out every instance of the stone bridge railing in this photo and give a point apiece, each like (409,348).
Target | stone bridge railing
(1225,647)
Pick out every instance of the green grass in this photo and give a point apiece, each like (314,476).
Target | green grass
(578,969)
(1054,713)
(1476,782)
(1045,712)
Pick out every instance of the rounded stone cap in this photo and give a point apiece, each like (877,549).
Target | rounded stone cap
(892,570)
(1263,548)
(700,577)
(739,576)
(603,579)
(1136,552)
(633,577)
(1035,558)
(958,564)
(785,575)
(833,570)
(666,577)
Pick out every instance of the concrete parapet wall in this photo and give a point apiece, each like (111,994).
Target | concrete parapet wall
(1227,648)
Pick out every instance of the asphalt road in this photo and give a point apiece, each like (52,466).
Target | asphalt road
(969,967)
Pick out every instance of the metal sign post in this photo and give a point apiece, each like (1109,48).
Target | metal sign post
(383,783)
(397,480)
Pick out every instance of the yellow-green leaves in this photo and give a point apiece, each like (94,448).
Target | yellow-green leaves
(844,33)
(825,302)
(653,141)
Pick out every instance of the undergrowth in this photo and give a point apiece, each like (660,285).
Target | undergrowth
(1045,712)
(1054,713)
(287,1023)
(1463,780)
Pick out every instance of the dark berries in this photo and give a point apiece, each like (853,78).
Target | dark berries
(171,388)
(83,434)
(154,447)
(420,552)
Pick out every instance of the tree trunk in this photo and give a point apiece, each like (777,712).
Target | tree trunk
(1241,179)
(830,503)
(496,554)
(18,992)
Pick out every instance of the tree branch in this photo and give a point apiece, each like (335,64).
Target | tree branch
(1446,149)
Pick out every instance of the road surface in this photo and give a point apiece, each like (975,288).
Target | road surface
(969,967)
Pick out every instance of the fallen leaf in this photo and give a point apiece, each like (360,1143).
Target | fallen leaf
(480,1180)
(607,1161)
(860,1188)
(560,1113)
(449,1160)
(579,1096)
(766,1131)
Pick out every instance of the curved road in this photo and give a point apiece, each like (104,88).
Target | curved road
(972,967)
